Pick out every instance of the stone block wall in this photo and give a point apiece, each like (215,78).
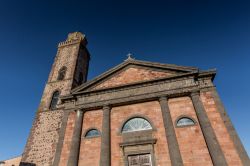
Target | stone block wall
(66,56)
(12,162)
(90,148)
(132,75)
(150,110)
(67,139)
(41,146)
(220,130)
(190,139)
(191,142)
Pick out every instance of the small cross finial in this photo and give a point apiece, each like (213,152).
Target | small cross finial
(129,57)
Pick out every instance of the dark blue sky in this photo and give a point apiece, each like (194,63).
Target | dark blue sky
(205,34)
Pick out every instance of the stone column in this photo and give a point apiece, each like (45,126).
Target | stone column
(173,147)
(105,144)
(76,140)
(214,148)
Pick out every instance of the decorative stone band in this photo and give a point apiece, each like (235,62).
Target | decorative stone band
(214,148)
(76,140)
(105,159)
(173,147)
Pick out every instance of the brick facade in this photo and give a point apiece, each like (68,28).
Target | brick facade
(67,139)
(158,93)
(190,139)
(150,110)
(219,127)
(91,120)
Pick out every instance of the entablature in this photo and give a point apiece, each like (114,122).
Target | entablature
(139,92)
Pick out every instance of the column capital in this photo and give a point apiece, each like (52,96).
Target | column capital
(195,93)
(79,110)
(163,98)
(106,107)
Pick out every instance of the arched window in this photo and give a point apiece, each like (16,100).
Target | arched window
(136,124)
(54,100)
(184,121)
(92,133)
(61,73)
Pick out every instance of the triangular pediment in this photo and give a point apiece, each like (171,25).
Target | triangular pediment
(132,72)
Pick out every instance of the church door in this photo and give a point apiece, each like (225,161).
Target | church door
(140,160)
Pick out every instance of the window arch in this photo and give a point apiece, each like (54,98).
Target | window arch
(62,73)
(92,133)
(54,100)
(185,121)
(136,124)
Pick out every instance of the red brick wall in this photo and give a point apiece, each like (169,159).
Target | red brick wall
(190,139)
(151,110)
(67,139)
(221,133)
(90,148)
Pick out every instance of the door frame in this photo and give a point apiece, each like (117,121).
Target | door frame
(140,152)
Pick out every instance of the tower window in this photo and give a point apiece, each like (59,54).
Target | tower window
(136,124)
(185,121)
(54,100)
(61,73)
(92,133)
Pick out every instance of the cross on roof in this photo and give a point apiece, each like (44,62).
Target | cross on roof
(129,57)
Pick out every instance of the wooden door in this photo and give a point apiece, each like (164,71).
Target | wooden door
(140,160)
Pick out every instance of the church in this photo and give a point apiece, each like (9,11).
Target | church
(138,113)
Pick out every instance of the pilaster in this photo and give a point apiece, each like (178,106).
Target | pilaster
(105,143)
(76,140)
(214,148)
(173,147)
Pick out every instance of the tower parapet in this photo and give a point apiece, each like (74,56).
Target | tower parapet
(74,38)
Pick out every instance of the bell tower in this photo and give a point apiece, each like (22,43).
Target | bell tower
(69,70)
